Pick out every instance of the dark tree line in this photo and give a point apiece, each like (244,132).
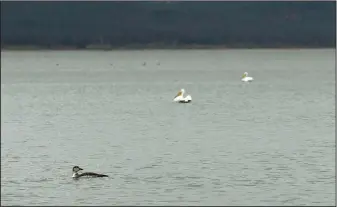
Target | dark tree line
(234,24)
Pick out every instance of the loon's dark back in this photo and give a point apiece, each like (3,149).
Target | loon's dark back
(91,174)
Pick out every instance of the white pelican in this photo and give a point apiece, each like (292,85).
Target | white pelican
(180,97)
(245,78)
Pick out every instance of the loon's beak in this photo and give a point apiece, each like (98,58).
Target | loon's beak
(80,169)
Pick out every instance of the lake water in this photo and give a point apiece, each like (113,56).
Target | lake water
(269,142)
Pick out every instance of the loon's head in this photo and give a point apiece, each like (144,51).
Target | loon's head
(76,169)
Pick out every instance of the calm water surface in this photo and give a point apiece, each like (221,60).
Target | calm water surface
(270,142)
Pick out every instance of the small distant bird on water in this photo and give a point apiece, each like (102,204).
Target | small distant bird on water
(76,175)
(180,97)
(245,78)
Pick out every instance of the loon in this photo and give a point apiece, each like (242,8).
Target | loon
(85,174)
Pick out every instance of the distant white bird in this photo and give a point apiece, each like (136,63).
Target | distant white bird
(245,78)
(180,97)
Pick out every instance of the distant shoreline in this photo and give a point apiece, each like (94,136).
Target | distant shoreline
(153,47)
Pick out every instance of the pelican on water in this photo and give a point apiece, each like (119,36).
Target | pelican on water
(180,97)
(245,78)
